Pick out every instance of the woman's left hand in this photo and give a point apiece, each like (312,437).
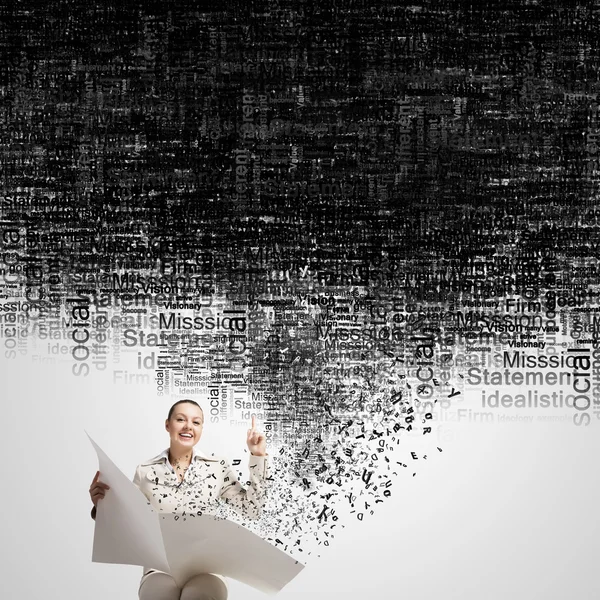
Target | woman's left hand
(257,442)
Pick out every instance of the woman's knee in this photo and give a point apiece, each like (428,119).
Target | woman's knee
(204,587)
(159,586)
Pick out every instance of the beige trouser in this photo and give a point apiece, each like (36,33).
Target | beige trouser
(160,586)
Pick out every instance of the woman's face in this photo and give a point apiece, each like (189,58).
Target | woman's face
(185,425)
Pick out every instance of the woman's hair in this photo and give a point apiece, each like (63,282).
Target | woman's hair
(181,402)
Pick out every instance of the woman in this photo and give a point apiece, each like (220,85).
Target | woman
(183,480)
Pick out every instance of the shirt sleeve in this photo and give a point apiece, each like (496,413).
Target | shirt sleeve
(137,478)
(247,502)
(140,484)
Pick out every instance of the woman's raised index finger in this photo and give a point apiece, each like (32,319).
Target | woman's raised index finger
(253,421)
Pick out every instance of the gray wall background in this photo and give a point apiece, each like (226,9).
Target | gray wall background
(505,511)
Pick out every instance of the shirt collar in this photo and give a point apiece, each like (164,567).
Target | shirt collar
(164,457)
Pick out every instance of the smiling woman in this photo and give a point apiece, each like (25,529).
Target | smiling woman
(182,480)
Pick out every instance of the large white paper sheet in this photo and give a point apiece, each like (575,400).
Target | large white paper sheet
(129,532)
(208,544)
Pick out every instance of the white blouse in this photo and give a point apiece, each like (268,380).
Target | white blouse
(207,482)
